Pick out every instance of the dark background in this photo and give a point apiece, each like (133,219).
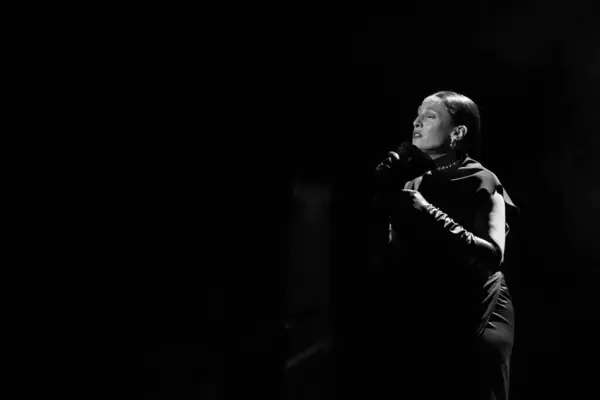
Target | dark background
(343,90)
(534,74)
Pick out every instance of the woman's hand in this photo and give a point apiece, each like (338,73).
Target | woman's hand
(416,199)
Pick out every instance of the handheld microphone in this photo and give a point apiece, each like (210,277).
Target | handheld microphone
(405,163)
(403,155)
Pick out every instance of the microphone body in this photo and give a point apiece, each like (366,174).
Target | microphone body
(403,164)
(406,162)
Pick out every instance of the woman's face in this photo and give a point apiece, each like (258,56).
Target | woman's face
(432,127)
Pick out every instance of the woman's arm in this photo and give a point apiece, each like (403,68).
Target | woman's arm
(485,245)
(490,223)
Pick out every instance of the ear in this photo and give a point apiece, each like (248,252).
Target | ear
(459,132)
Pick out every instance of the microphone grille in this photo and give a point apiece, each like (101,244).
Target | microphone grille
(393,154)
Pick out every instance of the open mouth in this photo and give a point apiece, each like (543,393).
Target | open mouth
(417,135)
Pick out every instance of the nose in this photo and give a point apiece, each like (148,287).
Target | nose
(417,123)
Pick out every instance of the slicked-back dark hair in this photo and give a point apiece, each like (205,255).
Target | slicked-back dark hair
(465,112)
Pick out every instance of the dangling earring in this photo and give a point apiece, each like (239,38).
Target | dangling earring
(453,144)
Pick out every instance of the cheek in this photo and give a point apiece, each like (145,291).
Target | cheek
(443,132)
(433,133)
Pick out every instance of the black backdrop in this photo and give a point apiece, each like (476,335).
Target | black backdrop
(534,74)
(336,92)
(535,77)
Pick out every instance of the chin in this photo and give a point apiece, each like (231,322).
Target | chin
(417,143)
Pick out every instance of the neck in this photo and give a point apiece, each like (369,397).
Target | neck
(447,160)
(443,157)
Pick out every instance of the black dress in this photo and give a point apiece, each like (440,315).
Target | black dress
(445,326)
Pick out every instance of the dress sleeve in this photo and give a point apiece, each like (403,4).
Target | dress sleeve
(475,244)
(487,184)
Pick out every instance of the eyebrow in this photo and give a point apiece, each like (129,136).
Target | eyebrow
(429,108)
